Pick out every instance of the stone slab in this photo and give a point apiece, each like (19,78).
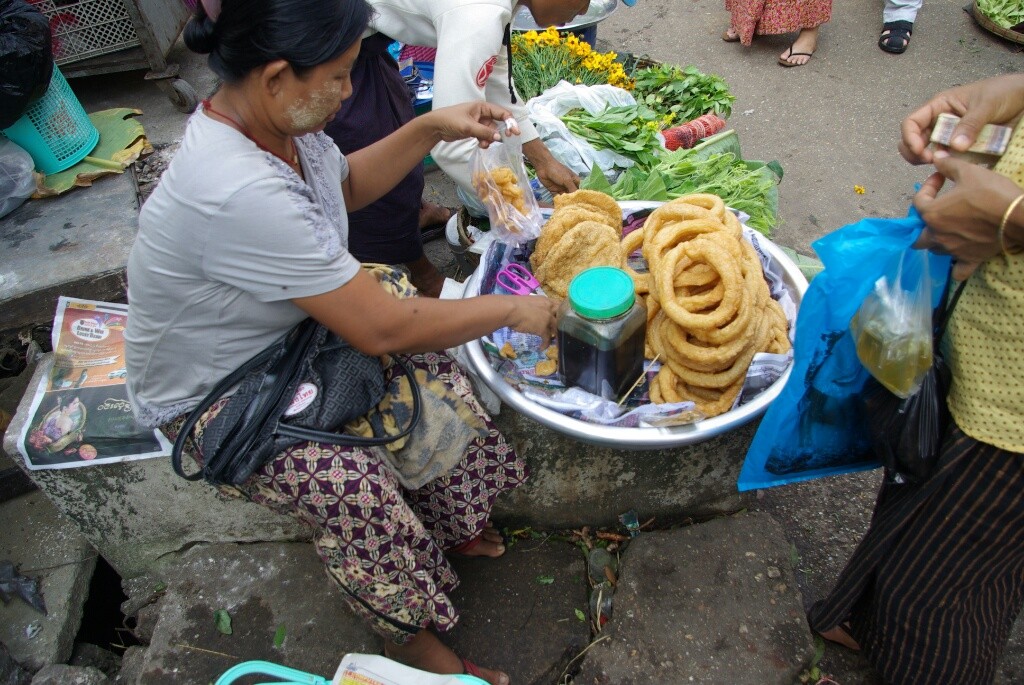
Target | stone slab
(137,512)
(76,244)
(60,674)
(511,619)
(44,544)
(573,484)
(714,602)
(262,587)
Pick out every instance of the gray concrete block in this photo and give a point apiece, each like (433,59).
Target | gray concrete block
(573,484)
(511,619)
(136,512)
(60,674)
(75,245)
(262,587)
(70,675)
(709,603)
(44,544)
(10,672)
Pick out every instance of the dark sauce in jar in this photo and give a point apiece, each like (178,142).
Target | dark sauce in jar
(608,372)
(601,332)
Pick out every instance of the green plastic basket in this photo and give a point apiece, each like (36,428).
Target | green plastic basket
(55,130)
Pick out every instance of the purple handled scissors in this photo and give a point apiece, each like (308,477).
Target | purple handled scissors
(517,280)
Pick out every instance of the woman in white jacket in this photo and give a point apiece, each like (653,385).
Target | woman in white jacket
(472,63)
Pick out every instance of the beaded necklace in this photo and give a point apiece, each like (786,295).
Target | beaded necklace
(293,162)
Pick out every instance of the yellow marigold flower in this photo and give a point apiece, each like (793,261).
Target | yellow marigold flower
(859,190)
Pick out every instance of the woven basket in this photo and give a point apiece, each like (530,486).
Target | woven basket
(989,25)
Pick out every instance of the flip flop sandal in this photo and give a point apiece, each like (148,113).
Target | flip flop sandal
(730,36)
(469,668)
(898,38)
(435,231)
(463,549)
(784,61)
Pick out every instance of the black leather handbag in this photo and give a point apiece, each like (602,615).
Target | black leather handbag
(906,434)
(304,387)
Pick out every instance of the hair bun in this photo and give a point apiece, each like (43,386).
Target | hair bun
(199,34)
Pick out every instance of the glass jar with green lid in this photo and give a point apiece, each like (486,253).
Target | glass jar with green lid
(601,331)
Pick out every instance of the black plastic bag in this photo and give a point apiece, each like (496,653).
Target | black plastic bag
(906,433)
(26,59)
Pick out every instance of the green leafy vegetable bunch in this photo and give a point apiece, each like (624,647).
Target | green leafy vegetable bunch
(631,131)
(686,93)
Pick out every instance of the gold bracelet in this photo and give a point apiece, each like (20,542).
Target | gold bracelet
(1002,225)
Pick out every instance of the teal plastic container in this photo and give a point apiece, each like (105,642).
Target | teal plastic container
(601,332)
(55,130)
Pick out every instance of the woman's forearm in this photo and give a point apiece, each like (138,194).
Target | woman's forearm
(375,322)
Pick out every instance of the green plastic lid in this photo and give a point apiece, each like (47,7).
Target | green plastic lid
(602,292)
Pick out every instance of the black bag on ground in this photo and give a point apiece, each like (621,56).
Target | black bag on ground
(26,60)
(906,434)
(304,387)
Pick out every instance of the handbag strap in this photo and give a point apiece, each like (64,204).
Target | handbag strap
(305,330)
(946,305)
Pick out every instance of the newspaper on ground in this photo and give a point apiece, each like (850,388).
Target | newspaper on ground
(80,414)
(370,669)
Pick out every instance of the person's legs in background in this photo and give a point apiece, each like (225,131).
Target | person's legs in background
(388,230)
(898,24)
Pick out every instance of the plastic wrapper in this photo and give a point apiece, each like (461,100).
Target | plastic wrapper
(26,60)
(17,178)
(893,327)
(546,110)
(499,178)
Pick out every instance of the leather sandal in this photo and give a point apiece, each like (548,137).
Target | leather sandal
(897,39)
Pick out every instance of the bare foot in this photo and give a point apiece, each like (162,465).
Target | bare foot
(432,214)
(841,636)
(799,53)
(427,653)
(488,544)
(730,35)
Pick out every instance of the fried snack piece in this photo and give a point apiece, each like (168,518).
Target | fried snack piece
(560,222)
(507,351)
(546,367)
(499,189)
(585,245)
(593,200)
(551,352)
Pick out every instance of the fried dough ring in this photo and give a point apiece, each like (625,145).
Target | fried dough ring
(630,244)
(728,271)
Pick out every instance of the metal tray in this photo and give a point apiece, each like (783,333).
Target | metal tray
(598,10)
(634,438)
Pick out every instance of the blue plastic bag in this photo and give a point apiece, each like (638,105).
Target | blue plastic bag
(815,427)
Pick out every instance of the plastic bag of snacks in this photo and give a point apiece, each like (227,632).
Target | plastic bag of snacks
(499,178)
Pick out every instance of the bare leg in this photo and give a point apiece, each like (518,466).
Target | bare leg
(427,653)
(425,276)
